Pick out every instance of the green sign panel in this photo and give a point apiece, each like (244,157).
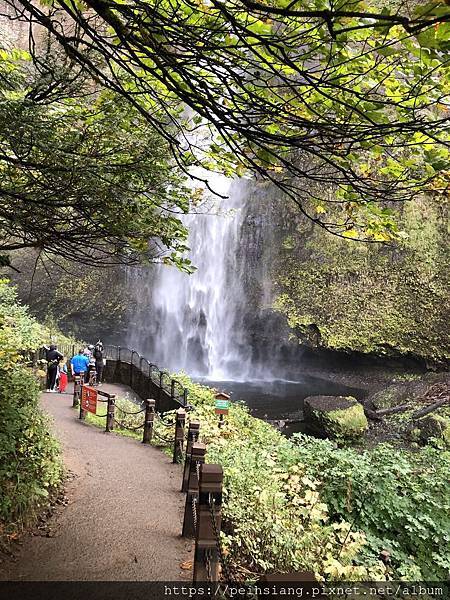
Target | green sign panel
(222,404)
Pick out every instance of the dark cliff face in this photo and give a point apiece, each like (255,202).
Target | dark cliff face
(371,299)
(309,294)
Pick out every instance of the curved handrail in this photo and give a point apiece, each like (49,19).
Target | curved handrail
(159,377)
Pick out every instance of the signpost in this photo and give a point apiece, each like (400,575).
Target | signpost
(222,404)
(89,399)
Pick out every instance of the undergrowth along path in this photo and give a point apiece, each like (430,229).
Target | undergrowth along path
(124,513)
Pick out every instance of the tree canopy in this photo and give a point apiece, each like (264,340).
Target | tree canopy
(338,93)
(83,176)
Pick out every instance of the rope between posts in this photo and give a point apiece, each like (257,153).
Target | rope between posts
(123,426)
(194,511)
(165,423)
(168,441)
(101,416)
(130,413)
(208,564)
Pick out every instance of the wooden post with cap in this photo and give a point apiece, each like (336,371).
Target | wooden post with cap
(178,444)
(190,509)
(82,411)
(148,421)
(77,389)
(192,436)
(207,541)
(110,412)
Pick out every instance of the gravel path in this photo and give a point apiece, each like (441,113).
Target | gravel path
(124,513)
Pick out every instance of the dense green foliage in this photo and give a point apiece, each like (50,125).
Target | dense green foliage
(303,503)
(401,500)
(83,176)
(29,456)
(383,300)
(88,303)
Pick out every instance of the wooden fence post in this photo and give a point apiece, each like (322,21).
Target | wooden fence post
(148,421)
(80,397)
(207,540)
(77,389)
(92,377)
(192,436)
(133,352)
(110,412)
(190,508)
(178,444)
(303,581)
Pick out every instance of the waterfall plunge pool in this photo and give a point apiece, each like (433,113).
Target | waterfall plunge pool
(280,401)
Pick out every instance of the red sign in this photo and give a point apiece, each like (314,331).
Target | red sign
(89,399)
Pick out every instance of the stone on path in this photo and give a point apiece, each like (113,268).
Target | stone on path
(124,514)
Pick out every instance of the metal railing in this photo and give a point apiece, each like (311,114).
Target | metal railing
(165,387)
(159,377)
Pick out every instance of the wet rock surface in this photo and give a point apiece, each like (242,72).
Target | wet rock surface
(336,417)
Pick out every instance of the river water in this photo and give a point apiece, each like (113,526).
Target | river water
(281,400)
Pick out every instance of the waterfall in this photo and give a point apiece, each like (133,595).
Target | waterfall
(195,322)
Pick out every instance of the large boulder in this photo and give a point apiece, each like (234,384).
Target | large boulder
(336,417)
(398,393)
(433,426)
(405,392)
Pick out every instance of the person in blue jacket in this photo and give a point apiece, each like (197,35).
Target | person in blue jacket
(79,363)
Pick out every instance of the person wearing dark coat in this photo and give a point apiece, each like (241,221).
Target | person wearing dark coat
(53,357)
(99,361)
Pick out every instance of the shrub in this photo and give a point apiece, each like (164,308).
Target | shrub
(305,504)
(29,456)
(400,499)
(30,465)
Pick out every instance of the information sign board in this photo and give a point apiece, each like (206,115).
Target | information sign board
(89,399)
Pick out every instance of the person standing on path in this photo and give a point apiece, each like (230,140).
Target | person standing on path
(89,352)
(53,357)
(79,363)
(62,380)
(99,361)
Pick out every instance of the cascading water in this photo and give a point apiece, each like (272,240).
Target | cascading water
(218,322)
(195,322)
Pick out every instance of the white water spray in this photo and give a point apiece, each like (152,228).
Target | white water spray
(196,321)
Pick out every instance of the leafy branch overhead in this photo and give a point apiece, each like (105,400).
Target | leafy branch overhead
(77,182)
(347,93)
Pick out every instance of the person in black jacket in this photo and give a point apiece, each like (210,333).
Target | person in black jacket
(99,362)
(53,357)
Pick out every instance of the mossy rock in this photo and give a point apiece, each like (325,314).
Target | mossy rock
(434,426)
(398,393)
(336,417)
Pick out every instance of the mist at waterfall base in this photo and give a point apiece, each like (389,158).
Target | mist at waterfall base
(205,323)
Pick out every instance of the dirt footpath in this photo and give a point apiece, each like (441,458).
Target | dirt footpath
(124,513)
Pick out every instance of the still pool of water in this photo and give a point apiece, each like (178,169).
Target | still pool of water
(280,400)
